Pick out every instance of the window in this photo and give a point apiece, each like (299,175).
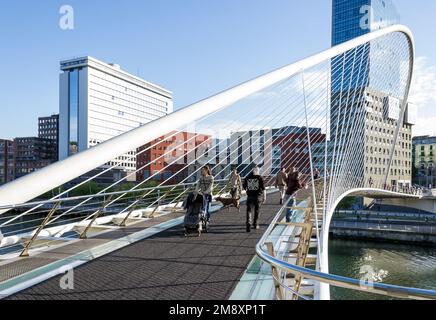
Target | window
(73,111)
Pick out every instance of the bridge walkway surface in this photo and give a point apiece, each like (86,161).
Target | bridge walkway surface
(167,265)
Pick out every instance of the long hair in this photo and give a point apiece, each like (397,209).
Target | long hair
(296,175)
(207,169)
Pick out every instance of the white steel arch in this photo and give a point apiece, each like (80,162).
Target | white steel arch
(44,180)
(27,188)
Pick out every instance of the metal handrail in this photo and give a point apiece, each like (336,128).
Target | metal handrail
(100,195)
(335,280)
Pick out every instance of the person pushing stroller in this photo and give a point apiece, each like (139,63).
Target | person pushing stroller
(204,187)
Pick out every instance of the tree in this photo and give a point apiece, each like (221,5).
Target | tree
(88,188)
(347,203)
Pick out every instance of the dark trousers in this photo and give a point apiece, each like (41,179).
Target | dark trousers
(233,192)
(253,204)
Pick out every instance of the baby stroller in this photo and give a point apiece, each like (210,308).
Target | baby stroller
(195,220)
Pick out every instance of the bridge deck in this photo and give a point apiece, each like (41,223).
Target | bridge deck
(168,266)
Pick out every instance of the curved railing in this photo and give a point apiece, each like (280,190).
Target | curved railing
(282,268)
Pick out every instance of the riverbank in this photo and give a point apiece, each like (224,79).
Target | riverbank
(385,232)
(408,228)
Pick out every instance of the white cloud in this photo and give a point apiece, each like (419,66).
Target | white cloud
(425,126)
(423,94)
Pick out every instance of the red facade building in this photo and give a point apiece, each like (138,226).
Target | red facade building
(168,158)
(293,146)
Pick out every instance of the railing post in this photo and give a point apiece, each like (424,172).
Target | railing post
(159,201)
(83,235)
(124,222)
(275,273)
(134,207)
(25,252)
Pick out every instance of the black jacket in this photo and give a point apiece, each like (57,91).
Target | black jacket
(254,185)
(294,184)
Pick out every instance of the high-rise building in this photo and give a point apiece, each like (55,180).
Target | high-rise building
(351,19)
(48,128)
(424,160)
(382,118)
(369,100)
(7,161)
(99,101)
(354,18)
(372,147)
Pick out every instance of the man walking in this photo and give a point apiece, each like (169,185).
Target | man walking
(281,180)
(256,196)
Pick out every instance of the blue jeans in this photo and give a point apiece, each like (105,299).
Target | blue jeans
(290,202)
(206,205)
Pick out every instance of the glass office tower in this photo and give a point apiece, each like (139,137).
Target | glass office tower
(351,19)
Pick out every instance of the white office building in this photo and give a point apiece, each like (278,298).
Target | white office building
(99,101)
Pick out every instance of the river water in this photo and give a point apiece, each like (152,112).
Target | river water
(398,264)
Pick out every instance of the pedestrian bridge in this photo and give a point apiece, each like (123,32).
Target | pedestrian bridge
(120,231)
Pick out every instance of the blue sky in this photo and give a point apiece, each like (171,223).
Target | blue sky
(195,48)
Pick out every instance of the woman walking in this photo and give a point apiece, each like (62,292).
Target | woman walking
(235,184)
(205,188)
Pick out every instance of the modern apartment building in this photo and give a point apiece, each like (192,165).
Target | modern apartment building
(173,157)
(32,153)
(180,156)
(99,101)
(48,128)
(424,160)
(7,161)
(291,148)
(249,148)
(25,155)
(383,115)
(373,147)
(274,149)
